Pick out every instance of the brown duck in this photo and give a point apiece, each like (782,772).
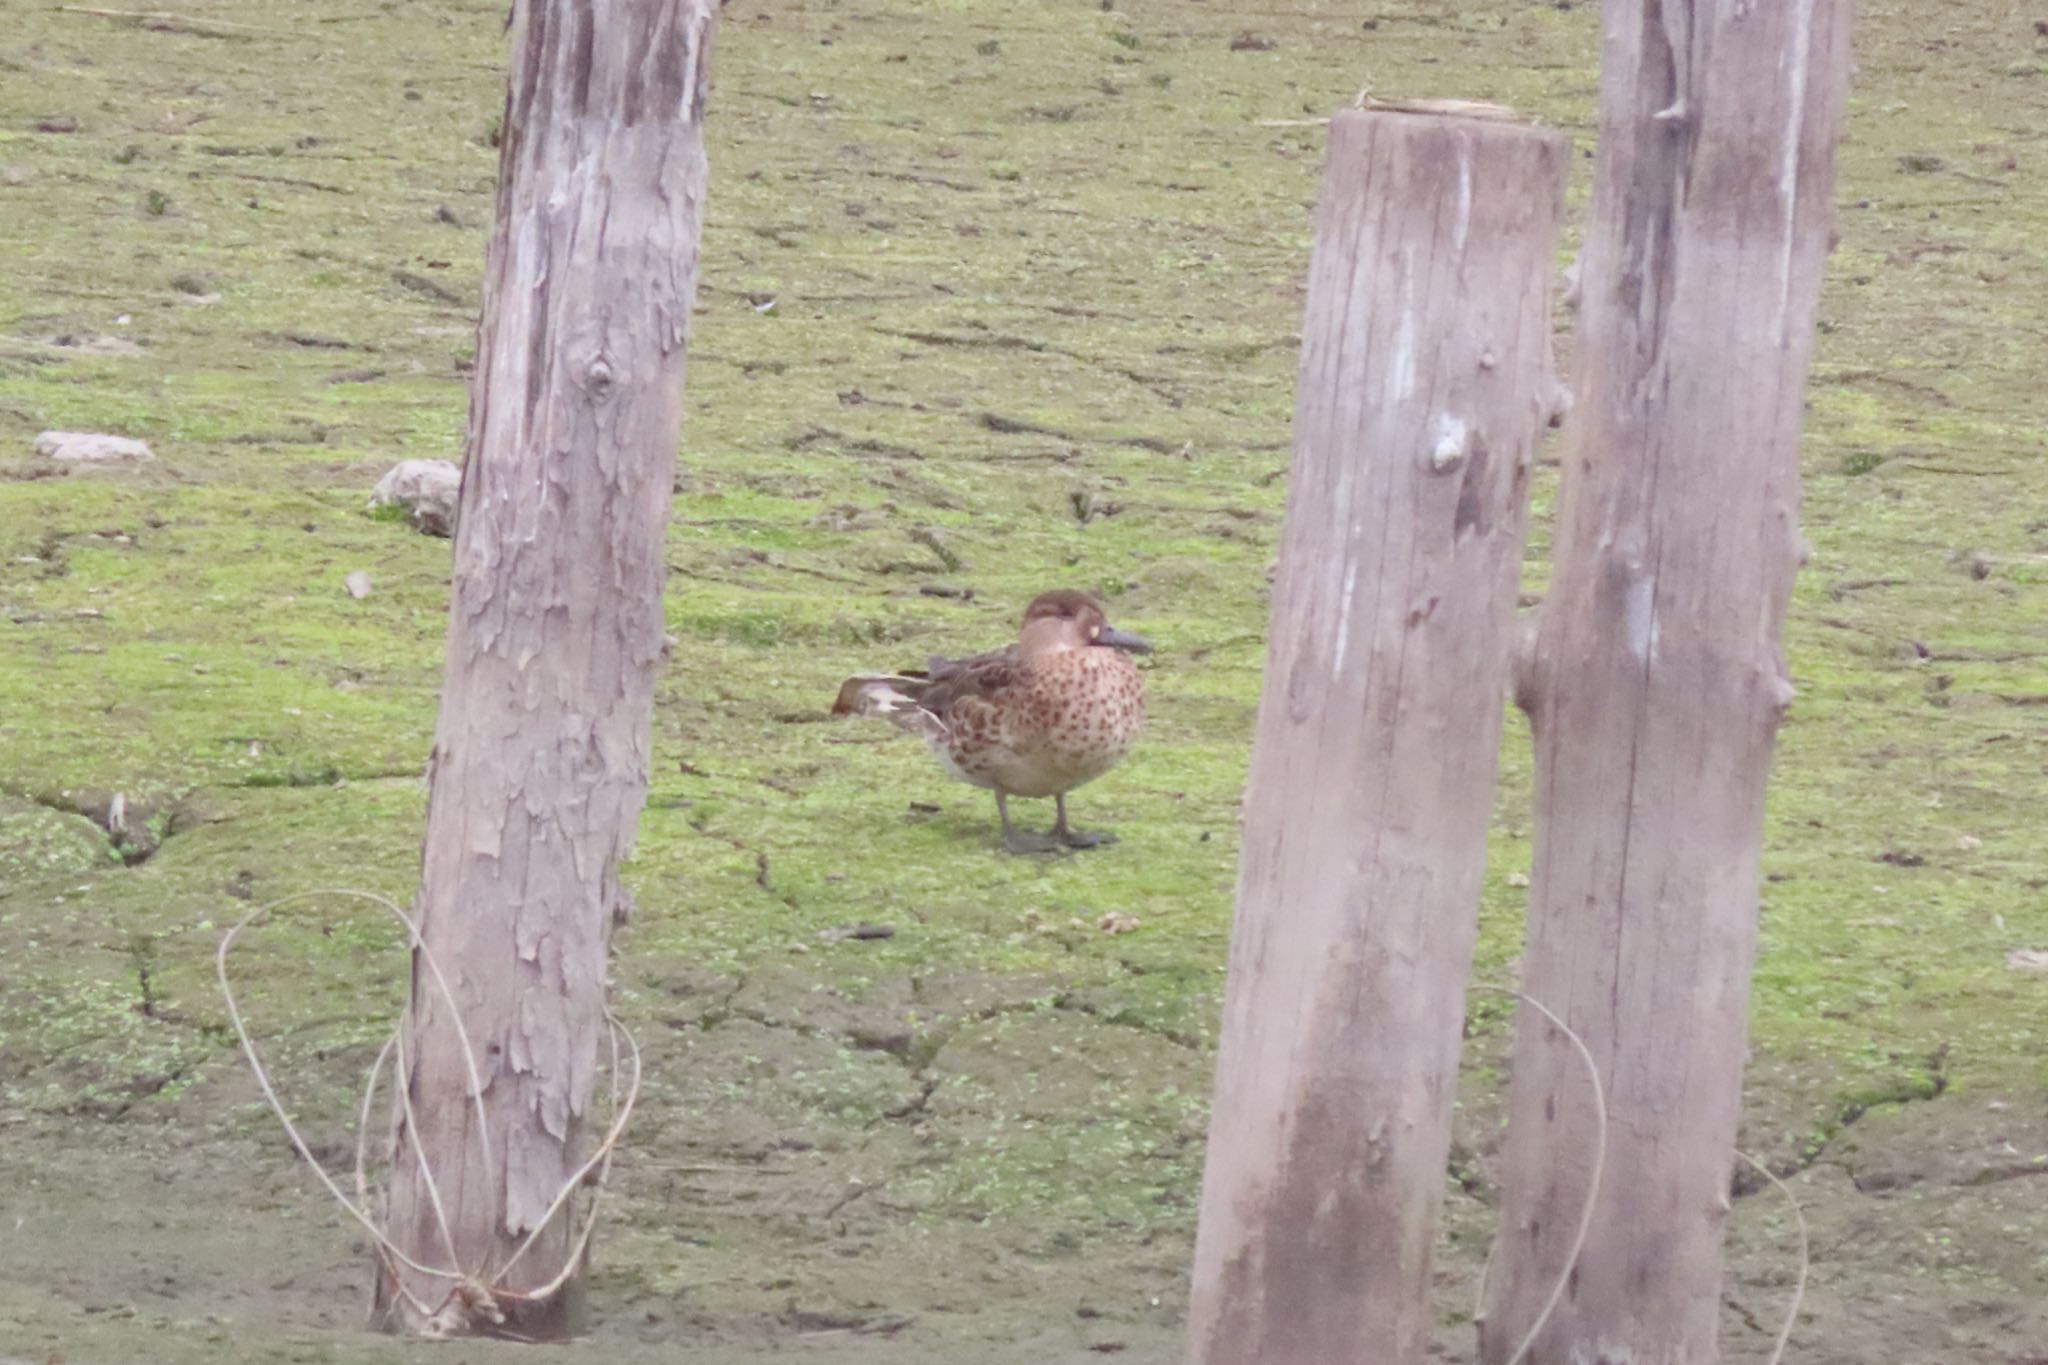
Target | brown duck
(1060,707)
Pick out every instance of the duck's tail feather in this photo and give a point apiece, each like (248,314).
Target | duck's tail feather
(899,697)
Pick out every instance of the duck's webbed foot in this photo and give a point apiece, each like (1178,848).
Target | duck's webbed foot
(1021,840)
(1075,838)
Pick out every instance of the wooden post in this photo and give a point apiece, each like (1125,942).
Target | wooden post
(1656,679)
(1424,353)
(555,634)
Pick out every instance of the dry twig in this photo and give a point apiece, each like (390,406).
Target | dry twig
(164,21)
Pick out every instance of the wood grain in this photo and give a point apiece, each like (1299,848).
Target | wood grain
(1424,358)
(556,630)
(1656,679)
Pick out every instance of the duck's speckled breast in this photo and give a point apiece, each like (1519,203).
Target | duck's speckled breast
(1086,705)
(1071,719)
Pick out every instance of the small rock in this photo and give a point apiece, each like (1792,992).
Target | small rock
(358,585)
(1248,41)
(1117,922)
(90,447)
(427,488)
(1518,879)
(57,123)
(2027,960)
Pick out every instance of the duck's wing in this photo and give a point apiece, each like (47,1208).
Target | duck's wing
(922,701)
(983,676)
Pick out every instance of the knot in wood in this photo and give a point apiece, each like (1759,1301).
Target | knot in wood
(1673,115)
(598,378)
(1453,442)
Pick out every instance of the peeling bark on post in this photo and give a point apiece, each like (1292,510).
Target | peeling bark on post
(1656,681)
(555,635)
(1422,378)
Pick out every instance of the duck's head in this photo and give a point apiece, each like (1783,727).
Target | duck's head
(1066,618)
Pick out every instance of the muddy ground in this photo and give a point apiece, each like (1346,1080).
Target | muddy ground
(995,297)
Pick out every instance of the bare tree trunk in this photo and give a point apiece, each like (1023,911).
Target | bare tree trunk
(555,634)
(1656,679)
(1424,354)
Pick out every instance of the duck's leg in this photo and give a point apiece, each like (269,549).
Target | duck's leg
(1022,841)
(1074,838)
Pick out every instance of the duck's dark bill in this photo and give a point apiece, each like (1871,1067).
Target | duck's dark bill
(1124,640)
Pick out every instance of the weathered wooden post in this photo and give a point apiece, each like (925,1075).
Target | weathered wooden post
(1423,361)
(1656,681)
(555,634)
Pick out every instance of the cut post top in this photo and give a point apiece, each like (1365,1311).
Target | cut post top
(1472,109)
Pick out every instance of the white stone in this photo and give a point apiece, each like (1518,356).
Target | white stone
(90,447)
(426,488)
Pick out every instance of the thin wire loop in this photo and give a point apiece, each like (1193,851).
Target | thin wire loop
(1805,1256)
(473,1294)
(1592,1200)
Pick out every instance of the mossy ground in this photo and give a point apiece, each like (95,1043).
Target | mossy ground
(1035,281)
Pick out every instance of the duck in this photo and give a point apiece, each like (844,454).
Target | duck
(1060,707)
